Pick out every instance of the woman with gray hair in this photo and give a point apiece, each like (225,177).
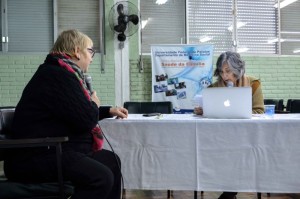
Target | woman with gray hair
(235,64)
(230,72)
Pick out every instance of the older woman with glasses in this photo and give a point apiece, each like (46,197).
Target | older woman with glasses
(56,102)
(230,71)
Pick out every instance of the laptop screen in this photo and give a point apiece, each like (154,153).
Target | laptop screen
(227,103)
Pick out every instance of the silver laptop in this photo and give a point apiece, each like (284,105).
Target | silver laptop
(227,103)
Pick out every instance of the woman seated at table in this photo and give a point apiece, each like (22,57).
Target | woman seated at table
(230,71)
(57,102)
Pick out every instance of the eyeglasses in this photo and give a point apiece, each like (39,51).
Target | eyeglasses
(92,51)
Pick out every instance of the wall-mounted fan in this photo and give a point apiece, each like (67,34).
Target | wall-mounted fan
(124,19)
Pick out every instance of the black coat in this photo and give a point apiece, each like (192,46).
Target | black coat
(53,104)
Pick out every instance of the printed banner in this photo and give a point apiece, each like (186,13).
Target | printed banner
(179,73)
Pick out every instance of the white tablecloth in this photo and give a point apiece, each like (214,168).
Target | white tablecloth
(187,152)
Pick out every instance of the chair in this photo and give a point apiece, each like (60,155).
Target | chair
(288,105)
(293,105)
(16,190)
(149,107)
(278,104)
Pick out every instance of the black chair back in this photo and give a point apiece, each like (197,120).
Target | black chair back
(149,107)
(293,105)
(278,103)
(6,118)
(10,189)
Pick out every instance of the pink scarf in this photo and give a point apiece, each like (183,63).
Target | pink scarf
(66,63)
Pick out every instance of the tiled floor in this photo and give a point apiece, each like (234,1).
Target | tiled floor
(138,194)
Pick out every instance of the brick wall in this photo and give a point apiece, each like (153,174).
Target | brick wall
(280,76)
(16,71)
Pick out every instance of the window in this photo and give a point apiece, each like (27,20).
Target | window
(208,22)
(31,26)
(290,29)
(258,25)
(212,21)
(82,15)
(165,23)
(1,16)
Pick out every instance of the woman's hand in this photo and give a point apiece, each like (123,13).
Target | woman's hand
(95,98)
(120,112)
(198,110)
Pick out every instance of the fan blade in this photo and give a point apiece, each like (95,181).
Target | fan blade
(120,28)
(134,19)
(120,9)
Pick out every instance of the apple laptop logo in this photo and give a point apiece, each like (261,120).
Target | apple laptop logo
(226,103)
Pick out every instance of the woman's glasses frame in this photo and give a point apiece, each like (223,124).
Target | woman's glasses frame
(92,51)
